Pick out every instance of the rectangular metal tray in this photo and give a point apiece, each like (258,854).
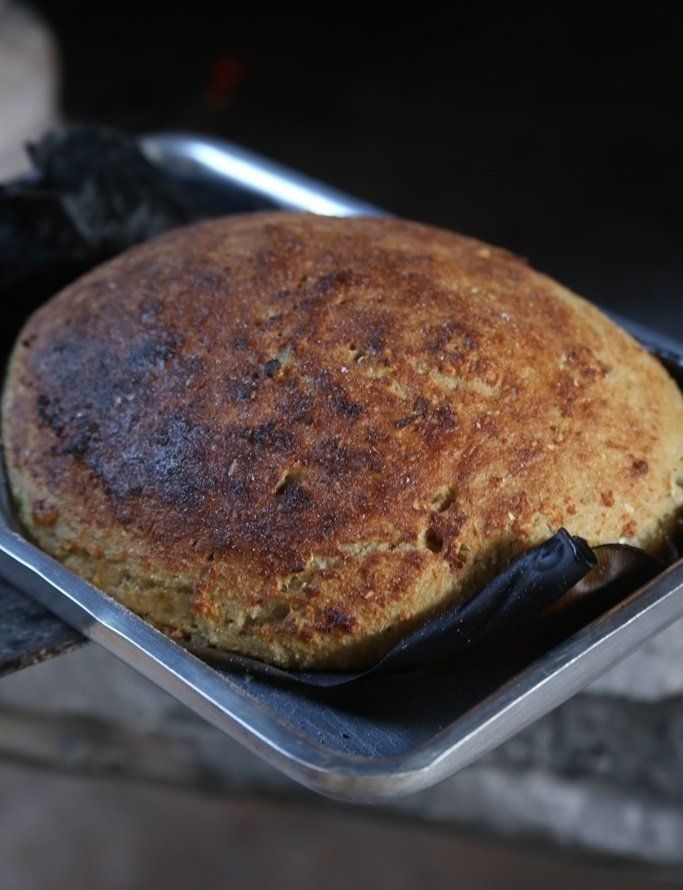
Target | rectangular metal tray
(374,741)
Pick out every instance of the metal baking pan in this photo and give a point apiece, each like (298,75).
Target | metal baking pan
(370,742)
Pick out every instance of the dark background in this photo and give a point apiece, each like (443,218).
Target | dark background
(556,132)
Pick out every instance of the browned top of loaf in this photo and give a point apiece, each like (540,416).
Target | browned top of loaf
(362,404)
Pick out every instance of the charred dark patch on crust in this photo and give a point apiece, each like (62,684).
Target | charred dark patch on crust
(153,351)
(271,367)
(294,497)
(452,340)
(241,389)
(336,620)
(403,422)
(343,405)
(440,422)
(331,282)
(336,459)
(337,396)
(49,411)
(79,442)
(270,435)
(421,408)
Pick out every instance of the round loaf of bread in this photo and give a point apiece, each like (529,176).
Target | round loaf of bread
(298,437)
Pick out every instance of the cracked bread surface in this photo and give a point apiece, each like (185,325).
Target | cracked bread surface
(297,437)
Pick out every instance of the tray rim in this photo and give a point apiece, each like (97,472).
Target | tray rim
(536,690)
(546,683)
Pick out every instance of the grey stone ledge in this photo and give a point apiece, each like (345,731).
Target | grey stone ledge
(602,774)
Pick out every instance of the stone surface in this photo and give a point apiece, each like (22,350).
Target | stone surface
(117,834)
(654,671)
(602,774)
(28,84)
(29,633)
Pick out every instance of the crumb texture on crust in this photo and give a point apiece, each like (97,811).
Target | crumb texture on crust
(296,437)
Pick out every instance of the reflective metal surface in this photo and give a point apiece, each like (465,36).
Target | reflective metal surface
(370,742)
(285,188)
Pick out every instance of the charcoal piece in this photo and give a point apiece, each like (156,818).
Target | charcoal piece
(91,194)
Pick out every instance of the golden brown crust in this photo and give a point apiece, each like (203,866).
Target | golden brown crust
(296,436)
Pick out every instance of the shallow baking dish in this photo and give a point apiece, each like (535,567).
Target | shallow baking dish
(371,741)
